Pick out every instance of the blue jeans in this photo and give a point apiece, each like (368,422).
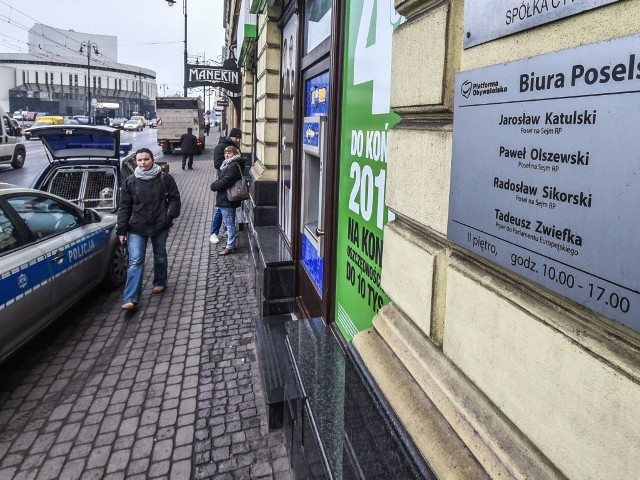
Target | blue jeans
(137,246)
(216,221)
(229,218)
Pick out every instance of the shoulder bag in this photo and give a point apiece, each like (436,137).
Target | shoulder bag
(238,191)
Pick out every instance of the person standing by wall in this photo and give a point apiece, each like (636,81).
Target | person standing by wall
(233,140)
(230,172)
(149,205)
(188,146)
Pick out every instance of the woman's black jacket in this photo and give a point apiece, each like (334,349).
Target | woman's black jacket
(147,206)
(226,178)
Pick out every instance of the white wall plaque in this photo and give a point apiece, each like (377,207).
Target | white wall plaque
(545,174)
(486,20)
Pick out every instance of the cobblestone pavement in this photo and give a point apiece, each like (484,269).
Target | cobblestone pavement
(170,391)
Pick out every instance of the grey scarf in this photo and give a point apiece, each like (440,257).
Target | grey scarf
(153,172)
(226,163)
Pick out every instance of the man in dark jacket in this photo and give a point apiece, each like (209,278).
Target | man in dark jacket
(150,203)
(230,172)
(233,140)
(188,146)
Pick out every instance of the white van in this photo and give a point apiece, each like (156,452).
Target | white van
(12,149)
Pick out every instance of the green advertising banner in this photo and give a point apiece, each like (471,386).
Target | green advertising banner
(366,120)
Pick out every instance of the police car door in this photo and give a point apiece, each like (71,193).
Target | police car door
(25,292)
(72,247)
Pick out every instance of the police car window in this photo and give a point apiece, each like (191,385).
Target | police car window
(45,216)
(8,238)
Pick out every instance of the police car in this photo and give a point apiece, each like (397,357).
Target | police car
(52,252)
(86,164)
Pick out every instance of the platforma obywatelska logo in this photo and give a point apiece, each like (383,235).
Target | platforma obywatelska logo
(465,89)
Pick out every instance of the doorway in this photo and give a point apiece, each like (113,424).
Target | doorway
(313,246)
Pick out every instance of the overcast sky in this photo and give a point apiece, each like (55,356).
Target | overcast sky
(150,33)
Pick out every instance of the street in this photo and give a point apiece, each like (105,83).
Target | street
(169,391)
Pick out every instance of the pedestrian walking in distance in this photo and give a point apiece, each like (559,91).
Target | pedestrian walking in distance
(207,128)
(188,147)
(150,203)
(230,172)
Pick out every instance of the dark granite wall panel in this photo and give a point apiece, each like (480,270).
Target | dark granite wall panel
(277,307)
(379,452)
(265,215)
(349,423)
(278,282)
(264,192)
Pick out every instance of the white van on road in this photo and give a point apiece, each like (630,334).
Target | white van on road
(12,150)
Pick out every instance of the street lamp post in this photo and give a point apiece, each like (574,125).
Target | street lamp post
(184,10)
(90,46)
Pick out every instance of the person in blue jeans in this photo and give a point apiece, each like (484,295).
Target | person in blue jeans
(150,203)
(230,172)
(233,140)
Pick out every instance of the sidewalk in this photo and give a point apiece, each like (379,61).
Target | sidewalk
(170,391)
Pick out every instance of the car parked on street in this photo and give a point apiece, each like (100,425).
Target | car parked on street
(153,123)
(52,253)
(132,125)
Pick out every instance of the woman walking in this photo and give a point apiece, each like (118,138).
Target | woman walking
(230,172)
(149,205)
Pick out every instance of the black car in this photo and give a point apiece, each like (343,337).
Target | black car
(118,122)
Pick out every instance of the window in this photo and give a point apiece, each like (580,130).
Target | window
(24,77)
(317,23)
(70,79)
(46,78)
(37,81)
(287,89)
(8,126)
(76,80)
(8,238)
(44,216)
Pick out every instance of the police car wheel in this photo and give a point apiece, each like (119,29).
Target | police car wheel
(117,271)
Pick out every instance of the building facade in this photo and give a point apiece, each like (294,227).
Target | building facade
(73,73)
(442,250)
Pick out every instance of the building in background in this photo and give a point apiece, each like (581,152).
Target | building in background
(442,232)
(74,73)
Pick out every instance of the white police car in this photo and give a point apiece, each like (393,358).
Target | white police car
(52,252)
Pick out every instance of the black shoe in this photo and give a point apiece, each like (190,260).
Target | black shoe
(190,168)
(183,167)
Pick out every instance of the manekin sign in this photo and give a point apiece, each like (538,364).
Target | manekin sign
(226,76)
